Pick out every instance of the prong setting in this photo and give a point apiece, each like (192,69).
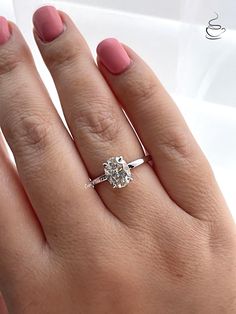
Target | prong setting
(117,171)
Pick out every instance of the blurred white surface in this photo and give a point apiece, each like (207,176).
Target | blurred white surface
(202,71)
(7,10)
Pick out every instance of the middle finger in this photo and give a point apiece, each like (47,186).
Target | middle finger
(49,167)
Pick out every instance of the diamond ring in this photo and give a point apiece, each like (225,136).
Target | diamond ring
(118,172)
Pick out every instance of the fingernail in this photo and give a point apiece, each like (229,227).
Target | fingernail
(113,55)
(4,30)
(48,23)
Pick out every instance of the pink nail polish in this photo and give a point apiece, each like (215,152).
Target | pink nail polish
(48,23)
(4,30)
(113,55)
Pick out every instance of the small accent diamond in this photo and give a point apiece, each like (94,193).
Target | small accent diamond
(118,172)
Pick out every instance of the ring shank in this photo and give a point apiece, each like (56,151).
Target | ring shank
(138,162)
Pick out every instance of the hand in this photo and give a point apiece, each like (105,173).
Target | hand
(163,244)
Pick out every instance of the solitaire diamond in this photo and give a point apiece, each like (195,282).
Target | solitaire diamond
(117,172)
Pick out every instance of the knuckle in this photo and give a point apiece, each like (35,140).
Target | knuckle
(174,142)
(99,124)
(9,64)
(145,89)
(141,89)
(27,132)
(10,59)
(66,56)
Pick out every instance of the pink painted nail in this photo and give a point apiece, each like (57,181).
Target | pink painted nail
(4,30)
(48,23)
(113,55)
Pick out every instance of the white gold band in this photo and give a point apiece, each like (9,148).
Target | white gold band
(117,171)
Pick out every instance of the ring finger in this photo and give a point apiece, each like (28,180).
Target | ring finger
(96,120)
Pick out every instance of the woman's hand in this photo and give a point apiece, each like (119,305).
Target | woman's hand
(164,244)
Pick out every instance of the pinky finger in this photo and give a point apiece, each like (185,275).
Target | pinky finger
(178,160)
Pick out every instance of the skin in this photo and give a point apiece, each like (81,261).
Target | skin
(164,244)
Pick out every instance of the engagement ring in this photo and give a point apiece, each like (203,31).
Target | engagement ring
(118,172)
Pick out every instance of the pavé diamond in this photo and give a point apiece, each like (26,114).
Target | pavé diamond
(117,171)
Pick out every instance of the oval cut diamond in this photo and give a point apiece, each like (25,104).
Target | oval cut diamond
(117,171)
